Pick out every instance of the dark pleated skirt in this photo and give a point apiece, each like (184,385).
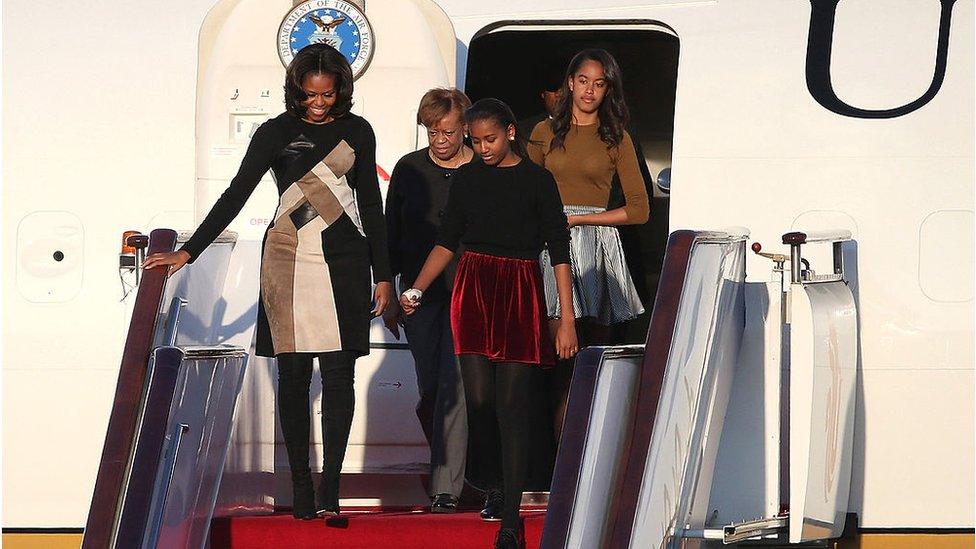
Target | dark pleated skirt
(498,310)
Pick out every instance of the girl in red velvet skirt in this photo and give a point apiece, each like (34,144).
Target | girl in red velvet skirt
(504,210)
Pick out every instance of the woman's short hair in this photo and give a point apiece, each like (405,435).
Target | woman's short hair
(438,103)
(318,59)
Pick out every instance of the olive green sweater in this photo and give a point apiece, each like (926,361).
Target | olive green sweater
(584,168)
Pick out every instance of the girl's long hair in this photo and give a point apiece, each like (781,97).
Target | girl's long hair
(612,112)
(500,113)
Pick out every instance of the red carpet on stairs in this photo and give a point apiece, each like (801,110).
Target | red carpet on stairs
(383,530)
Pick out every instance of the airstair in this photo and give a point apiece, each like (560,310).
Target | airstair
(732,424)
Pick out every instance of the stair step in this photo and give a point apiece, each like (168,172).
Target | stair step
(371,530)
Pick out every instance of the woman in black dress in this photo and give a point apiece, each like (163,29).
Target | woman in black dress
(328,231)
(504,209)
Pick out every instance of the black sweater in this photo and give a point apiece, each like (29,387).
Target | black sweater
(508,212)
(415,205)
(290,147)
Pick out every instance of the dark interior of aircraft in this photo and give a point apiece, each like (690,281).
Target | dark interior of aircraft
(516,65)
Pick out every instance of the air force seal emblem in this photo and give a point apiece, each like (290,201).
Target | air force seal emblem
(337,23)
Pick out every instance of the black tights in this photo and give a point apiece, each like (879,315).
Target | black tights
(338,401)
(498,397)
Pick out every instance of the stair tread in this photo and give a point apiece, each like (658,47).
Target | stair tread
(400,529)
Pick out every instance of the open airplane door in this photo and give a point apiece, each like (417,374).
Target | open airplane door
(823,375)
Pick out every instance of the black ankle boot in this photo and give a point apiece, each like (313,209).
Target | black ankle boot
(303,500)
(444,503)
(494,503)
(510,538)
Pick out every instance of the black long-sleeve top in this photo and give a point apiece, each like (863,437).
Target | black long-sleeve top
(415,203)
(508,212)
(290,148)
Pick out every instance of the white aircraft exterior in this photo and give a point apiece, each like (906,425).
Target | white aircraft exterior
(135,115)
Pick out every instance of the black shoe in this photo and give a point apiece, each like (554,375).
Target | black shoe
(327,509)
(494,502)
(328,512)
(510,538)
(444,503)
(303,502)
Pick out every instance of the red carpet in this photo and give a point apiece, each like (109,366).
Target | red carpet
(384,530)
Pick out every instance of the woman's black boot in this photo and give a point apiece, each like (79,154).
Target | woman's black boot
(510,538)
(327,496)
(303,502)
(294,373)
(494,504)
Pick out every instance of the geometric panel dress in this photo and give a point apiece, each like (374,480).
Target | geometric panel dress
(327,232)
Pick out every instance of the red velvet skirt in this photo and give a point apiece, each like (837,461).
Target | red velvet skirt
(498,309)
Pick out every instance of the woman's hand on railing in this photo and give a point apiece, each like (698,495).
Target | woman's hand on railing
(175,260)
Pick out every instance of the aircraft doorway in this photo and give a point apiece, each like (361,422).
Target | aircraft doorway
(516,61)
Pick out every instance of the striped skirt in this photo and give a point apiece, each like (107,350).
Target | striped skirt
(602,287)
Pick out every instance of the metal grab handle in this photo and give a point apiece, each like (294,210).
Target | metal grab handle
(796,239)
(810,237)
(141,243)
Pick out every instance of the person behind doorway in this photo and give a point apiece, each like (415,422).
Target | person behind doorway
(584,145)
(415,202)
(549,83)
(504,209)
(328,231)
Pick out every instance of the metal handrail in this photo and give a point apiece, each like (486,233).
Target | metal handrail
(117,450)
